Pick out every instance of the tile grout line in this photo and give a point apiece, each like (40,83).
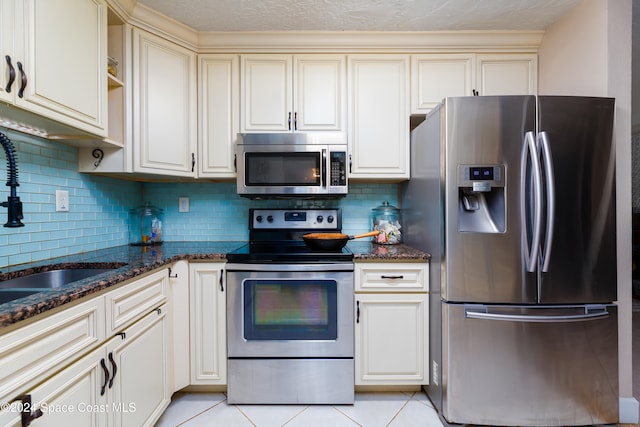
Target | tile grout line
(401,409)
(200,413)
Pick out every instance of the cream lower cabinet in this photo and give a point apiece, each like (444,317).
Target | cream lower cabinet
(378,117)
(141,381)
(122,383)
(73,375)
(391,324)
(208,310)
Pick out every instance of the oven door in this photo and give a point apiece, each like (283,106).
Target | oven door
(297,311)
(291,170)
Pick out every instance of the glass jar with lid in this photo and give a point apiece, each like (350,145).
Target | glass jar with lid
(386,219)
(145,225)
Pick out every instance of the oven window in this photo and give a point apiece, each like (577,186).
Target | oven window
(290,309)
(284,169)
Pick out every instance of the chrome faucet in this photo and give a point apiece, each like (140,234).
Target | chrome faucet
(13,202)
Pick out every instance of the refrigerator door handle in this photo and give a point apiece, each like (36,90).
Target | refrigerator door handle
(529,151)
(591,312)
(551,199)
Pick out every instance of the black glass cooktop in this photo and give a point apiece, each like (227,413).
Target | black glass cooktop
(282,252)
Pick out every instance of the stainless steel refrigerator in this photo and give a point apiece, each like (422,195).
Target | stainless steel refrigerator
(514,197)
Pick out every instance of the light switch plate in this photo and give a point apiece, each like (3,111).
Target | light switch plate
(62,201)
(183,204)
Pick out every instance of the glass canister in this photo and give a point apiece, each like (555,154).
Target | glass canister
(145,225)
(386,219)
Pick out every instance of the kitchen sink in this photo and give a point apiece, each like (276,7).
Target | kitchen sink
(7,295)
(52,279)
(20,287)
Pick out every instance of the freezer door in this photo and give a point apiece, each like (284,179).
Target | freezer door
(505,365)
(485,252)
(578,247)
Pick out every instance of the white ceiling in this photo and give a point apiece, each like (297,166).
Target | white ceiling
(362,15)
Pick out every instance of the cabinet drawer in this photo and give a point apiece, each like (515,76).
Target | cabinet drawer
(48,344)
(391,277)
(131,302)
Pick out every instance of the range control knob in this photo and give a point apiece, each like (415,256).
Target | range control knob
(259,218)
(270,218)
(330,219)
(319,218)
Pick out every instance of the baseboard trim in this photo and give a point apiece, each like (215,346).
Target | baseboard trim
(629,410)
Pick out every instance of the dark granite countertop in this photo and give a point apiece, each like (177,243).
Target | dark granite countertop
(369,251)
(128,262)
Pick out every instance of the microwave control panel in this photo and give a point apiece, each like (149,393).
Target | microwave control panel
(338,163)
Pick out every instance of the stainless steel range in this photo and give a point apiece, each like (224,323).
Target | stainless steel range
(290,326)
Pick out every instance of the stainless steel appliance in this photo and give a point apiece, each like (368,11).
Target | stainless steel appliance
(290,330)
(312,165)
(514,199)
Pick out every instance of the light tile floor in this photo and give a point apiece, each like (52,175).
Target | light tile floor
(402,409)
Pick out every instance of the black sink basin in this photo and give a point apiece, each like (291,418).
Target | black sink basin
(51,279)
(7,295)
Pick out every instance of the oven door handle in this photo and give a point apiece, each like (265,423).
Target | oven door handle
(323,169)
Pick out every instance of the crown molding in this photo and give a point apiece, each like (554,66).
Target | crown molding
(370,41)
(146,18)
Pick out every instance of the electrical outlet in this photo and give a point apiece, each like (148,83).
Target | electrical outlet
(183,204)
(62,201)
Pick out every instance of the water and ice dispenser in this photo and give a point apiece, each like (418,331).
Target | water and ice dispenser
(481,198)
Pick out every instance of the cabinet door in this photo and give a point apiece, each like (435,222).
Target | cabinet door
(164,106)
(320,93)
(69,398)
(266,85)
(141,389)
(208,324)
(30,352)
(507,74)
(64,58)
(379,116)
(391,339)
(219,110)
(435,77)
(7,19)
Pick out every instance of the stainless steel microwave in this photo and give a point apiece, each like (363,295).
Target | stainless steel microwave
(309,165)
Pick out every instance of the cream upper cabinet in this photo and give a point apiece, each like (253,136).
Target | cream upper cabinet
(437,76)
(507,74)
(379,116)
(164,106)
(7,20)
(54,63)
(219,108)
(290,93)
(208,319)
(392,342)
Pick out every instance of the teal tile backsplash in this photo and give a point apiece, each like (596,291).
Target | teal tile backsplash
(218,213)
(98,212)
(99,206)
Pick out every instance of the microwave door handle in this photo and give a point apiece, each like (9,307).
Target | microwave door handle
(323,169)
